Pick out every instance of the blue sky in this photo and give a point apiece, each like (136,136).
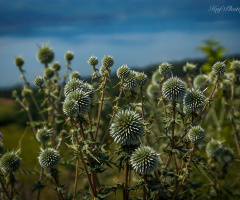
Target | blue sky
(135,32)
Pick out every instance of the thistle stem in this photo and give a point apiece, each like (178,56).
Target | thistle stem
(75,182)
(3,187)
(126,174)
(53,173)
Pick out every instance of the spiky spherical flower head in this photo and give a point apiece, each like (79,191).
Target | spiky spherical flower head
(18,61)
(227,155)
(131,81)
(49,158)
(196,134)
(157,77)
(235,66)
(70,107)
(1,147)
(127,128)
(153,90)
(93,61)
(43,134)
(72,85)
(123,72)
(189,67)
(39,81)
(144,160)
(201,82)
(90,90)
(165,69)
(48,72)
(56,66)
(26,92)
(107,61)
(69,56)
(45,55)
(213,148)
(75,75)
(194,100)
(141,79)
(173,89)
(10,162)
(82,99)
(104,70)
(219,68)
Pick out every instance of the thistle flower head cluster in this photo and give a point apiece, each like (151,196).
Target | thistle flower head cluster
(227,155)
(56,66)
(93,61)
(165,69)
(156,77)
(219,68)
(235,66)
(201,82)
(18,61)
(173,89)
(123,72)
(213,148)
(127,128)
(90,90)
(107,61)
(104,70)
(189,67)
(75,75)
(39,81)
(153,90)
(48,73)
(49,158)
(43,134)
(10,162)
(70,108)
(131,81)
(144,160)
(194,100)
(72,85)
(69,56)
(45,55)
(196,134)
(141,79)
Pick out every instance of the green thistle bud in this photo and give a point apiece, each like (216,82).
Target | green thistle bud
(39,81)
(45,55)
(75,75)
(26,92)
(93,61)
(103,70)
(107,61)
(227,155)
(201,82)
(173,89)
(235,66)
(186,111)
(10,162)
(18,61)
(70,108)
(90,90)
(56,66)
(144,160)
(153,91)
(123,72)
(43,134)
(127,128)
(213,148)
(82,99)
(131,81)
(14,93)
(194,100)
(157,78)
(196,134)
(141,79)
(49,158)
(165,69)
(1,147)
(189,67)
(219,68)
(72,85)
(68,56)
(48,72)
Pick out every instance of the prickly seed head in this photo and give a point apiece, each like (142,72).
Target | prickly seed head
(131,81)
(18,61)
(107,61)
(173,89)
(56,66)
(141,79)
(144,160)
(48,72)
(201,82)
(49,158)
(93,61)
(189,67)
(235,66)
(227,155)
(219,68)
(194,100)
(69,56)
(43,134)
(103,70)
(26,92)
(153,91)
(90,90)
(156,77)
(72,85)
(196,134)
(45,55)
(165,69)
(75,75)
(213,148)
(39,81)
(123,72)
(10,162)
(127,128)
(70,108)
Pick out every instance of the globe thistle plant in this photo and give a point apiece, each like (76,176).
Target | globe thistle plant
(72,85)
(123,72)
(69,56)
(56,66)
(153,91)
(141,79)
(49,158)
(48,73)
(201,82)
(235,66)
(75,75)
(173,89)
(18,61)
(103,70)
(107,61)
(213,148)
(194,100)
(165,69)
(157,77)
(189,67)
(93,61)
(90,90)
(131,81)
(144,160)
(127,128)
(43,134)
(70,107)
(219,68)
(10,162)
(39,81)
(227,155)
(196,134)
(45,55)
